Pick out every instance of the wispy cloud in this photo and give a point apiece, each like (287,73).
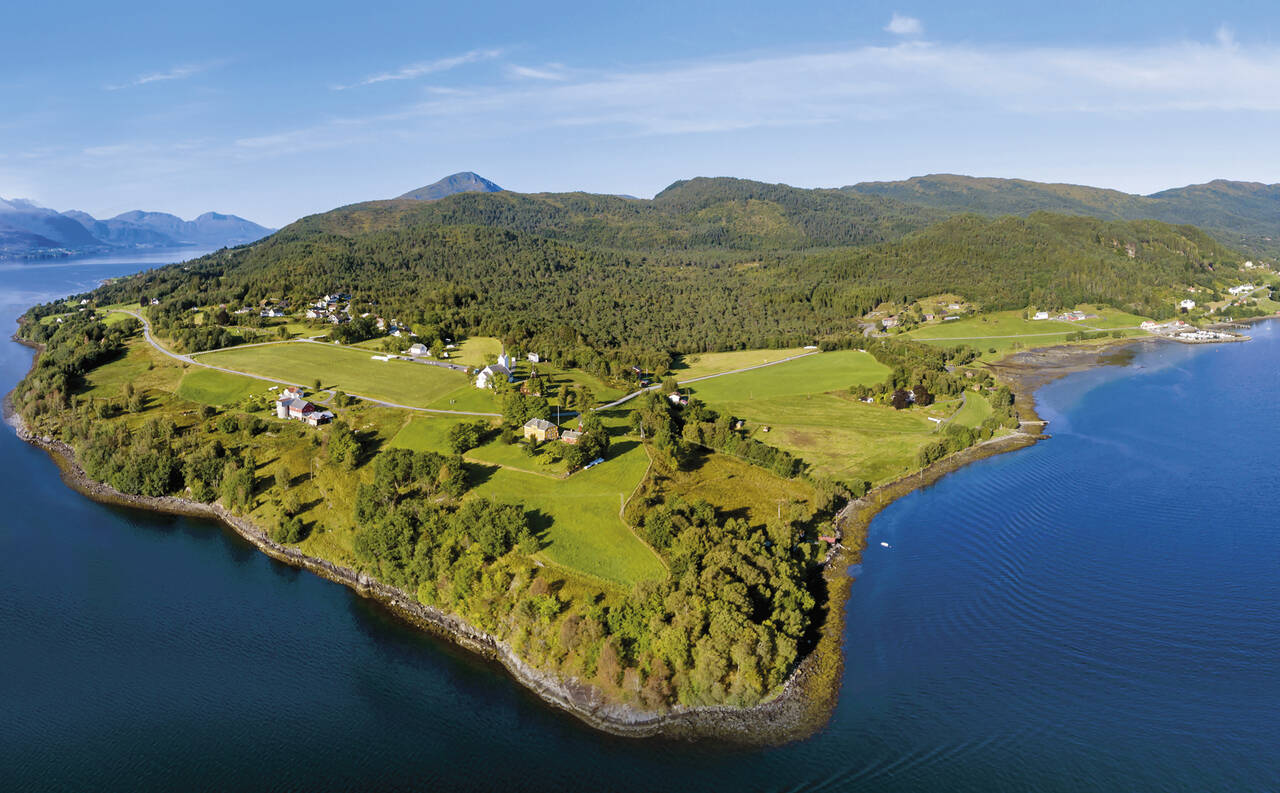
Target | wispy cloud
(912,82)
(553,72)
(900,25)
(176,73)
(415,70)
(915,84)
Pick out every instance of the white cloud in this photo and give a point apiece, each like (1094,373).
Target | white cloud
(176,73)
(1226,38)
(900,25)
(915,84)
(530,73)
(415,70)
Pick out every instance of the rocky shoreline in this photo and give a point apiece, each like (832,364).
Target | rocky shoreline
(800,708)
(784,717)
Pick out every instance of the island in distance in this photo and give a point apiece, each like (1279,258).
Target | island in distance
(28,230)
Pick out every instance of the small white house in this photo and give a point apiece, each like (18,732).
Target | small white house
(419,349)
(1240,290)
(1041,315)
(1187,304)
(487,376)
(534,357)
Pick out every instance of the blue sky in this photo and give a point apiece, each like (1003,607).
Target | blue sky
(277,110)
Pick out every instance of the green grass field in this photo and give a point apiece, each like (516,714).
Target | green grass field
(425,434)
(141,366)
(218,388)
(1002,323)
(116,317)
(840,436)
(739,489)
(975,411)
(1110,318)
(579,517)
(350,370)
(1007,331)
(475,351)
(495,452)
(468,397)
(806,405)
(691,366)
(814,374)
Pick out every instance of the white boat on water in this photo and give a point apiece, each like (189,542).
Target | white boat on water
(884,544)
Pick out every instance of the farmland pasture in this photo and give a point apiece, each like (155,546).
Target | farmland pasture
(813,374)
(702,364)
(580,517)
(806,406)
(218,388)
(1006,331)
(975,410)
(350,370)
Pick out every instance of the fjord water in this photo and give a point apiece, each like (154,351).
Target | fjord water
(1097,612)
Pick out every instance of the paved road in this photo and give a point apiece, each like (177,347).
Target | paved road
(187,359)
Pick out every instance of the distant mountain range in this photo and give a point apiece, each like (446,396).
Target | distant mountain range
(28,229)
(1243,214)
(462,182)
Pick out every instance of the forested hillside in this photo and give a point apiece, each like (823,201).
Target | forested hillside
(1241,214)
(709,264)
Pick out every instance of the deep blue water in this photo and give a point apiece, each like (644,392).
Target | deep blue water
(1098,612)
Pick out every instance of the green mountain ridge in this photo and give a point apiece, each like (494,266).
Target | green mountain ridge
(708,264)
(1241,214)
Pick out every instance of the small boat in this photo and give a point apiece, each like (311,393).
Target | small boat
(884,545)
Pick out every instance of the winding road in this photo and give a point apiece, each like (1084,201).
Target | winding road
(191,361)
(187,359)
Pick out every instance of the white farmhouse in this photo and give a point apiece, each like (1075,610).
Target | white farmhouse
(1041,315)
(488,375)
(419,349)
(1187,304)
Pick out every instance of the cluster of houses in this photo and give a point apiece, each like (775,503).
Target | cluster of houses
(486,377)
(1242,289)
(291,405)
(1066,316)
(1179,330)
(334,309)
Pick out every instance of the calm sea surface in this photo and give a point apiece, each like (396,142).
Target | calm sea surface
(1098,612)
